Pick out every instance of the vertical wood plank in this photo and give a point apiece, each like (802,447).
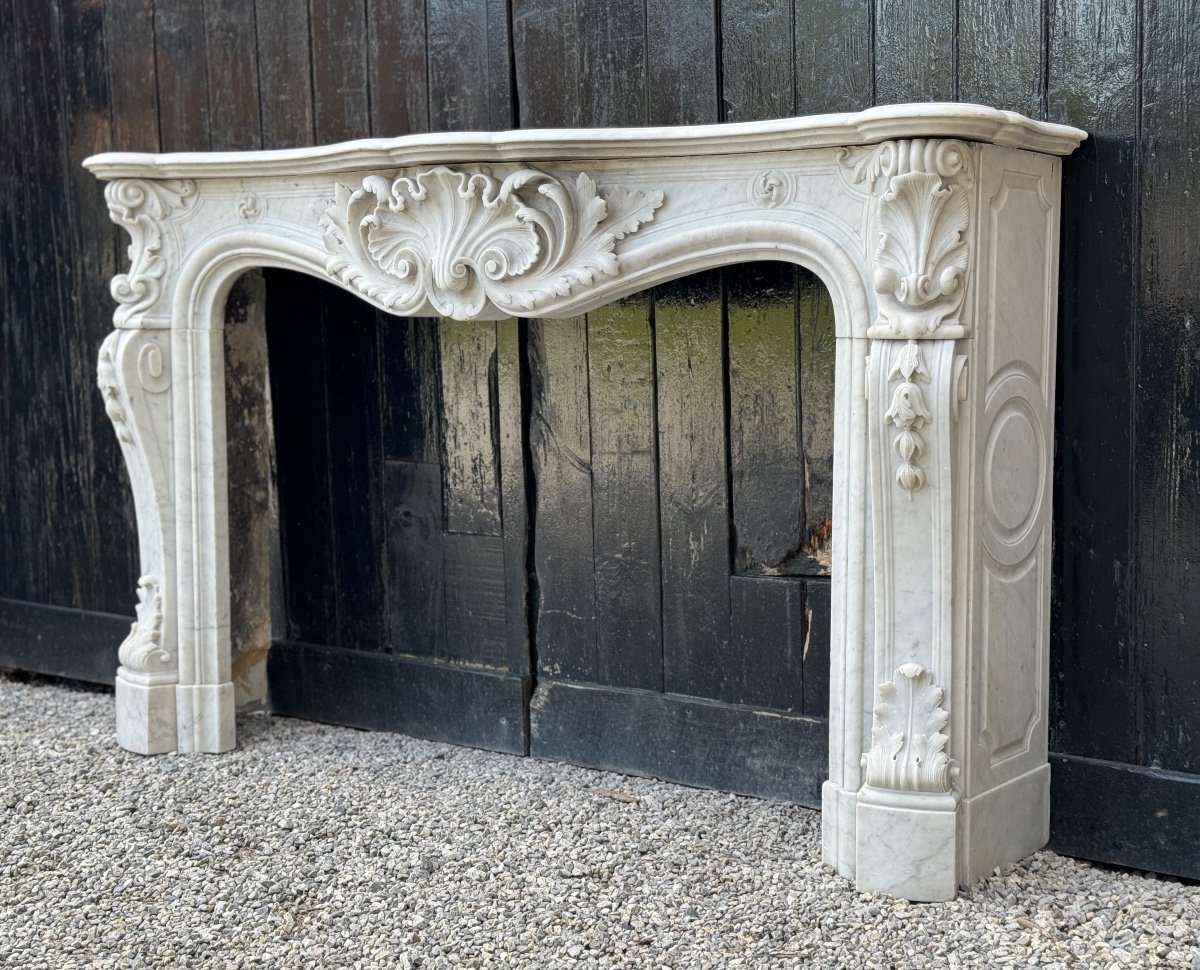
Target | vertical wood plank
(412,385)
(833,52)
(284,73)
(341,109)
(513,496)
(681,62)
(180,54)
(470,436)
(105,544)
(398,72)
(693,482)
(355,469)
(914,51)
(765,667)
(816,337)
(561,450)
(129,49)
(625,494)
(476,607)
(296,361)
(1166,476)
(1001,48)
(816,648)
(1093,83)
(757,59)
(37,377)
(469,39)
(764,423)
(231,49)
(412,494)
(580,66)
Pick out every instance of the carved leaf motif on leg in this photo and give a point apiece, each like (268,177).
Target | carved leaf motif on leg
(462,240)
(909,413)
(142,650)
(110,387)
(908,741)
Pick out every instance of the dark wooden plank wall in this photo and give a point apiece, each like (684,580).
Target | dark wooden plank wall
(80,76)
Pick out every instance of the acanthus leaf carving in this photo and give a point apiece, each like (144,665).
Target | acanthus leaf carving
(908,740)
(139,206)
(909,414)
(142,650)
(110,387)
(923,214)
(463,239)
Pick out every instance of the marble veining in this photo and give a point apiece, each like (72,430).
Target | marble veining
(943,278)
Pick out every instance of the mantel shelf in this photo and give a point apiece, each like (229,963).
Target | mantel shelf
(970,122)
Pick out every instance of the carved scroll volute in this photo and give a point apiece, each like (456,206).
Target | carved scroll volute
(922,214)
(134,377)
(908,740)
(140,207)
(461,240)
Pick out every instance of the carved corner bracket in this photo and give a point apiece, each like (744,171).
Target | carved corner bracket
(908,740)
(461,240)
(923,212)
(139,206)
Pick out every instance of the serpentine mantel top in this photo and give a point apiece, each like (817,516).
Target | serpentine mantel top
(971,122)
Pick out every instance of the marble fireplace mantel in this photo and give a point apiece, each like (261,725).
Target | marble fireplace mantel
(935,229)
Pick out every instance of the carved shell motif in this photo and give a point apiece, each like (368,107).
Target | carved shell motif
(142,650)
(922,255)
(923,211)
(463,239)
(908,744)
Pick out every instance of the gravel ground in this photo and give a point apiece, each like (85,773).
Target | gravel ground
(315,846)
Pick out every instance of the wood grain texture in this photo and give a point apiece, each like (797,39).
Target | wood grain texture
(1001,48)
(231,51)
(470,436)
(441,702)
(1166,488)
(681,739)
(914,51)
(284,73)
(560,446)
(181,70)
(625,493)
(693,482)
(1092,83)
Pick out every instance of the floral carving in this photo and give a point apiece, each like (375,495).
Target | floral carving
(249,206)
(909,414)
(463,239)
(769,190)
(142,650)
(908,742)
(921,253)
(139,206)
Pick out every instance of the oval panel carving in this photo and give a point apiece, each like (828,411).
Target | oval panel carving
(1015,473)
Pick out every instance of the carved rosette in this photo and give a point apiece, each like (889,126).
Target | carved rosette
(142,650)
(923,213)
(139,206)
(908,741)
(909,414)
(464,239)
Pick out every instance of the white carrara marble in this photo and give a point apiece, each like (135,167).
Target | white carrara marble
(935,228)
